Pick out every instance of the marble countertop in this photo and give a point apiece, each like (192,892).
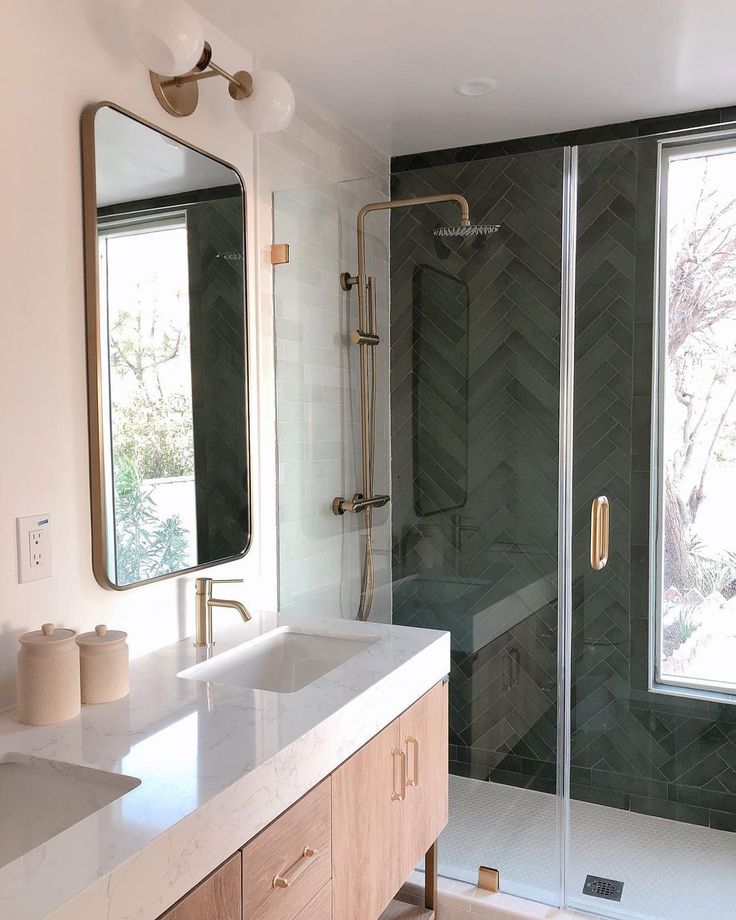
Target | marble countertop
(216,764)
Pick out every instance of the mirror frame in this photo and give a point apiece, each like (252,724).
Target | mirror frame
(99,479)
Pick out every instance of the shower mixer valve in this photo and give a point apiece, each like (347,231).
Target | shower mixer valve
(358,503)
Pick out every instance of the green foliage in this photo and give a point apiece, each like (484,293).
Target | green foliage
(156,434)
(144,546)
(711,574)
(685,624)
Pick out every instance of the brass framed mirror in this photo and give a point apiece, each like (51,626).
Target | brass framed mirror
(167,351)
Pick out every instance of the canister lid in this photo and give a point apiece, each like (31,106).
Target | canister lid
(102,636)
(47,633)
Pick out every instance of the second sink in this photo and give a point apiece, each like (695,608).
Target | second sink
(284,660)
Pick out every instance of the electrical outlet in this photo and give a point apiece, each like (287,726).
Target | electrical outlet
(34,547)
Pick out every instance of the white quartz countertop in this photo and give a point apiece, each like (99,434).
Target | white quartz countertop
(216,764)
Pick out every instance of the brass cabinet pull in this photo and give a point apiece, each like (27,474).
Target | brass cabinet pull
(298,869)
(599,533)
(414,781)
(399,796)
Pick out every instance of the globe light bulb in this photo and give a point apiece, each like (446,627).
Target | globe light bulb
(271,105)
(167,36)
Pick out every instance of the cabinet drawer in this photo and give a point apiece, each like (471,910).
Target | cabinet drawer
(320,907)
(289,862)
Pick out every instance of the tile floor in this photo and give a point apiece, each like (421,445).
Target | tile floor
(670,870)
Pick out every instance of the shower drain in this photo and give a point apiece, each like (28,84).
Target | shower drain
(606,888)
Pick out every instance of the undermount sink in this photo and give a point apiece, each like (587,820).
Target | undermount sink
(283,660)
(40,798)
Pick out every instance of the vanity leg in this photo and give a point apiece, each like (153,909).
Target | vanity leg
(430,877)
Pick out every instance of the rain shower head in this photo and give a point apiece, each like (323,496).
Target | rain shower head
(463,231)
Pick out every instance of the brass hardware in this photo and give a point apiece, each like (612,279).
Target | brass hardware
(279,253)
(204,602)
(414,781)
(366,330)
(347,281)
(296,870)
(489,879)
(357,503)
(599,533)
(399,796)
(364,338)
(179,95)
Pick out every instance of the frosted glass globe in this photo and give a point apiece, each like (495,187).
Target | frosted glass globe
(167,36)
(271,105)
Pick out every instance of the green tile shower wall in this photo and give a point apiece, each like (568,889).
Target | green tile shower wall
(502,689)
(631,749)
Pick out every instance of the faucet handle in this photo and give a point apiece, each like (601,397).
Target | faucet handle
(227,581)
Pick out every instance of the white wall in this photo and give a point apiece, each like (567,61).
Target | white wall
(322,174)
(59,57)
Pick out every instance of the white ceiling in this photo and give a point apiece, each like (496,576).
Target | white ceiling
(134,162)
(387,66)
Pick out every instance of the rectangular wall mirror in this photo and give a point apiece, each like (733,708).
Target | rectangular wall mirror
(166,352)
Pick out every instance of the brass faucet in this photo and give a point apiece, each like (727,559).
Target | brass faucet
(203,608)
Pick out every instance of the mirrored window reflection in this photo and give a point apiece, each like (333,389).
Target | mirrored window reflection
(146,269)
(170,346)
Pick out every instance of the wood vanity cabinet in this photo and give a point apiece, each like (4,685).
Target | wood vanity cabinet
(345,848)
(289,862)
(218,897)
(389,804)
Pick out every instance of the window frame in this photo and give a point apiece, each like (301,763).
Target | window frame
(670,149)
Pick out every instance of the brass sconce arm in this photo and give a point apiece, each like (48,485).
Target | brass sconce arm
(180,95)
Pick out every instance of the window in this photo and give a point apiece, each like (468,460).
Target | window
(694,584)
(144,279)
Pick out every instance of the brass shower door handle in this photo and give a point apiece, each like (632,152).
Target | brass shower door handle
(599,533)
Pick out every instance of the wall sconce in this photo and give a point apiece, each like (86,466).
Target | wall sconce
(168,38)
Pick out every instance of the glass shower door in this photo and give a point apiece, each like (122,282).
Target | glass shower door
(652,811)
(475,367)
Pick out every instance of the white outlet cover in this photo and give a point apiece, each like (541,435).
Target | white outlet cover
(33,539)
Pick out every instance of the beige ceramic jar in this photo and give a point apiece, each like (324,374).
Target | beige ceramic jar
(48,676)
(104,665)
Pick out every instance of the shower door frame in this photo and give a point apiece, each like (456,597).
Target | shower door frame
(564,512)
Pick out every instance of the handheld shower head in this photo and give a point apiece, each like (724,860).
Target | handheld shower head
(465,231)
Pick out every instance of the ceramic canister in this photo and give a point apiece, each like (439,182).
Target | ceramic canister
(104,665)
(48,676)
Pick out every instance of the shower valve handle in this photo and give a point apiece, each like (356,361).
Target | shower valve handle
(357,503)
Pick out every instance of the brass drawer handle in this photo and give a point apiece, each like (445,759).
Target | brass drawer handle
(599,533)
(399,796)
(295,872)
(414,781)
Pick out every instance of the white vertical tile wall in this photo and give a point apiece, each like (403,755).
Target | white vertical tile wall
(316,176)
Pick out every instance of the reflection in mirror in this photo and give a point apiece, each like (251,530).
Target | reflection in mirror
(167,352)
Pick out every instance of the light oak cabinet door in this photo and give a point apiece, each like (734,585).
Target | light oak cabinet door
(389,804)
(218,897)
(366,828)
(424,736)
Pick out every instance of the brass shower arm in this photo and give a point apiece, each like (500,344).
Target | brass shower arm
(459,200)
